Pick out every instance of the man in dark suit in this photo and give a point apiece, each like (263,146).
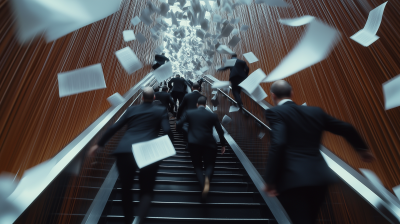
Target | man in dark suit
(144,122)
(165,98)
(200,81)
(189,102)
(160,60)
(238,74)
(178,88)
(296,170)
(202,144)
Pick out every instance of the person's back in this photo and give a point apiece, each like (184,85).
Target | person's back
(189,102)
(296,172)
(165,98)
(239,72)
(179,85)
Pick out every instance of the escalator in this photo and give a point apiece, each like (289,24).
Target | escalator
(233,197)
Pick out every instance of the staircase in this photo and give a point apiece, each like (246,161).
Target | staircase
(233,198)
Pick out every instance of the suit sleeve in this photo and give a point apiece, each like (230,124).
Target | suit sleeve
(246,68)
(220,132)
(170,84)
(345,130)
(165,125)
(180,122)
(113,129)
(181,107)
(277,146)
(171,102)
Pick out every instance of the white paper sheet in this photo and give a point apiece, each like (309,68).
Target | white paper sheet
(391,93)
(230,63)
(253,80)
(278,3)
(128,59)
(116,99)
(135,21)
(234,41)
(258,94)
(233,109)
(315,45)
(244,28)
(235,31)
(223,49)
(250,57)
(215,108)
(261,135)
(226,31)
(220,84)
(226,120)
(81,80)
(145,17)
(128,35)
(149,152)
(58,18)
(367,35)
(304,104)
(300,21)
(163,72)
(214,92)
(141,38)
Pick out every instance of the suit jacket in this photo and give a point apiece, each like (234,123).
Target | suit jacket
(165,99)
(144,122)
(239,72)
(179,85)
(294,159)
(189,102)
(201,123)
(161,59)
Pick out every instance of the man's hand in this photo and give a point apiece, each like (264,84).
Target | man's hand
(222,150)
(93,150)
(367,156)
(270,190)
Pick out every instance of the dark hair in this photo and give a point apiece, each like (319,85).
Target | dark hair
(177,76)
(148,93)
(234,55)
(165,88)
(196,86)
(202,100)
(281,89)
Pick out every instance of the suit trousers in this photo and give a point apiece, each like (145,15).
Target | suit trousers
(127,167)
(236,90)
(177,96)
(302,204)
(198,153)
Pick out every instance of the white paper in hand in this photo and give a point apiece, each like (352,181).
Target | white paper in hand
(367,35)
(163,72)
(116,99)
(315,46)
(81,80)
(128,35)
(128,59)
(226,120)
(220,84)
(300,21)
(391,92)
(250,57)
(149,152)
(250,83)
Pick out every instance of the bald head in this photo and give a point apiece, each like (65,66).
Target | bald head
(281,89)
(148,94)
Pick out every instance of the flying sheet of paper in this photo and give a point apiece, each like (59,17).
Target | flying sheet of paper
(367,35)
(149,152)
(164,8)
(215,101)
(300,21)
(116,99)
(128,35)
(223,49)
(215,108)
(163,72)
(216,18)
(304,104)
(226,31)
(235,31)
(250,57)
(145,17)
(135,21)
(258,94)
(226,120)
(235,21)
(215,135)
(128,59)
(391,93)
(233,109)
(204,69)
(214,92)
(141,38)
(244,28)
(261,135)
(278,3)
(230,63)
(315,45)
(253,80)
(81,80)
(57,19)
(220,84)
(234,41)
